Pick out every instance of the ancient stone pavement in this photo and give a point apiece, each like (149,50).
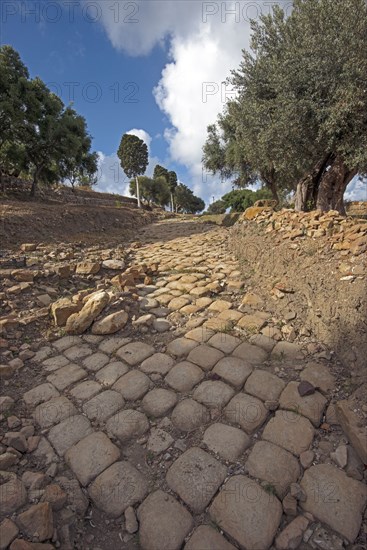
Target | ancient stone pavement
(198,432)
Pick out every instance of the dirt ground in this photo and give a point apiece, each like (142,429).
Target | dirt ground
(334,311)
(22,222)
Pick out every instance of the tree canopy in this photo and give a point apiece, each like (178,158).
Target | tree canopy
(186,201)
(152,190)
(299,119)
(39,136)
(133,155)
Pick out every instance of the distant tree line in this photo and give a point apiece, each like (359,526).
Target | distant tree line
(163,189)
(40,138)
(238,200)
(298,122)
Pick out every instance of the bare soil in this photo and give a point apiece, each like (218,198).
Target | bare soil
(27,222)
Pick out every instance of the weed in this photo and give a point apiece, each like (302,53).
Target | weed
(270,489)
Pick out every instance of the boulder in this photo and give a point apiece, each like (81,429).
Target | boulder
(110,324)
(79,322)
(62,309)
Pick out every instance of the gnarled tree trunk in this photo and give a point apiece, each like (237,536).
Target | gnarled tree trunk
(332,187)
(307,187)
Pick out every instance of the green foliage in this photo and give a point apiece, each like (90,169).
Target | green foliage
(239,200)
(301,98)
(186,201)
(133,155)
(217,207)
(152,190)
(160,171)
(39,136)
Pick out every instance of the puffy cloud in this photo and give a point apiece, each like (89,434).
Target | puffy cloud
(356,190)
(204,41)
(142,134)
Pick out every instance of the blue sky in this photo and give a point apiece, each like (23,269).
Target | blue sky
(151,67)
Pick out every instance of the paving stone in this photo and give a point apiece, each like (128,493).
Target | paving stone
(178,303)
(159,363)
(181,347)
(247,411)
(127,424)
(96,361)
(310,406)
(230,315)
(111,345)
(264,385)
(42,354)
(213,394)
(189,415)
(334,499)
(196,476)
(76,353)
(289,430)
(203,302)
(92,338)
(274,465)
(53,411)
(184,376)
(13,494)
(160,311)
(54,363)
(246,512)
(205,356)
(220,305)
(251,354)
(164,522)
(67,342)
(319,376)
(287,351)
(253,322)
(206,538)
(227,441)
(104,405)
(262,341)
(85,390)
(159,441)
(66,376)
(218,325)
(40,394)
(90,456)
(158,402)
(161,325)
(68,432)
(199,334)
(135,352)
(224,342)
(233,370)
(108,375)
(117,488)
(132,385)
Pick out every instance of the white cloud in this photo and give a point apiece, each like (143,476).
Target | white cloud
(204,41)
(356,190)
(142,134)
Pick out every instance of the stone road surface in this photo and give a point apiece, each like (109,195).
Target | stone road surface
(195,434)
